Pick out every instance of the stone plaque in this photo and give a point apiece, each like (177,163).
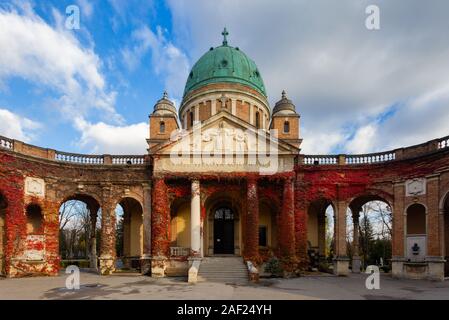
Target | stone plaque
(415,187)
(35,248)
(35,187)
(416,248)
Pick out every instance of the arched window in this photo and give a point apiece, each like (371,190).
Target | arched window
(286,127)
(34,219)
(416,232)
(416,219)
(257,120)
(162,127)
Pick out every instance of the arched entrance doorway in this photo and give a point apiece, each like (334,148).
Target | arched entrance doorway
(369,231)
(223,230)
(2,234)
(79,231)
(129,234)
(321,235)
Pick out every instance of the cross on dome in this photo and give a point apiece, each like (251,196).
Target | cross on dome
(225,33)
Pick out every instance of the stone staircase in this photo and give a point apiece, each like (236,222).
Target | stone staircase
(223,269)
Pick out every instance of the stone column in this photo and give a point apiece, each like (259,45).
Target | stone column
(195,220)
(197,114)
(145,260)
(107,257)
(195,232)
(93,238)
(213,107)
(251,114)
(341,260)
(301,223)
(160,228)
(398,234)
(252,221)
(356,262)
(322,234)
(287,227)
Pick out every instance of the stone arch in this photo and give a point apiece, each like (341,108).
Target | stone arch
(362,209)
(317,224)
(416,231)
(444,199)
(371,195)
(93,204)
(87,197)
(119,196)
(211,204)
(3,206)
(129,235)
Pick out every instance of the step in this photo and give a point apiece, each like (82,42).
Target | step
(223,269)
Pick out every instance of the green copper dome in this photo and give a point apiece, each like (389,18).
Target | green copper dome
(224,64)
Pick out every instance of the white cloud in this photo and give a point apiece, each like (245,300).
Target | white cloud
(109,139)
(168,61)
(52,57)
(17,127)
(337,72)
(362,142)
(321,143)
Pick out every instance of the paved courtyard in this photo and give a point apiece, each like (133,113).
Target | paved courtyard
(140,287)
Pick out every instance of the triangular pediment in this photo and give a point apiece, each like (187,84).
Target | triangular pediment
(223,133)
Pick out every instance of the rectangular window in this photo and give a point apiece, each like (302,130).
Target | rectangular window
(263,236)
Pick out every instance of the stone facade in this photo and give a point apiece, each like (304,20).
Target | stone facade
(223,195)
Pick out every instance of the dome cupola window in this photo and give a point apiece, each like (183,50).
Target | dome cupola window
(286,127)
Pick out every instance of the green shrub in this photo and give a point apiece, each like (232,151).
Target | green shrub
(274,267)
(324,267)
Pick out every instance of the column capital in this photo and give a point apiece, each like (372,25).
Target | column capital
(195,187)
(147,185)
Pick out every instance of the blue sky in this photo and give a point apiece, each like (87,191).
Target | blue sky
(91,90)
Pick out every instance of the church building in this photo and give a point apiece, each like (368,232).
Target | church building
(224,185)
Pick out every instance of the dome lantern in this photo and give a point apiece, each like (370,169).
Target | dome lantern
(164,106)
(284,106)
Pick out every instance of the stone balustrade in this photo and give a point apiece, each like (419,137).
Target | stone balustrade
(370,158)
(179,251)
(79,158)
(381,157)
(128,160)
(321,160)
(443,143)
(6,143)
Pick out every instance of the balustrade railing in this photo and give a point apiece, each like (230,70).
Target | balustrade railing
(78,158)
(370,158)
(349,159)
(6,143)
(443,143)
(179,251)
(128,160)
(321,160)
